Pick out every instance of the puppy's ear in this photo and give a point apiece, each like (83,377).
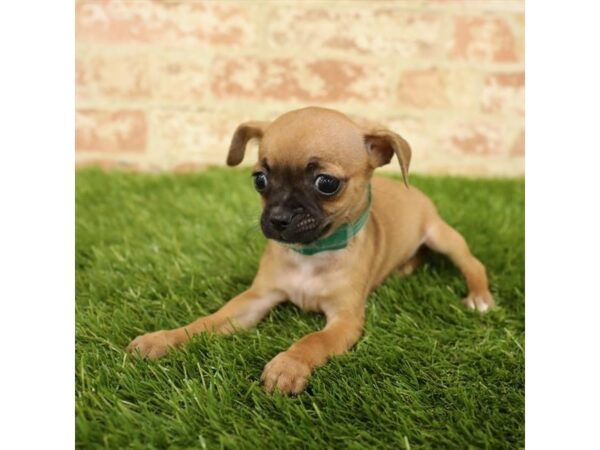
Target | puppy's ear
(243,133)
(383,144)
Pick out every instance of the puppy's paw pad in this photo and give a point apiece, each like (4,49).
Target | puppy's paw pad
(482,302)
(152,345)
(285,374)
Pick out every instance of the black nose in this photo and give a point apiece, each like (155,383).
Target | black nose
(280,219)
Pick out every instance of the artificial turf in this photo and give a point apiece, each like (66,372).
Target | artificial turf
(157,251)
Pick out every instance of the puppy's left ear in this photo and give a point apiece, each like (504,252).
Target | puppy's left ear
(383,144)
(243,133)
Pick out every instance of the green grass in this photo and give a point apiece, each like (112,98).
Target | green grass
(157,251)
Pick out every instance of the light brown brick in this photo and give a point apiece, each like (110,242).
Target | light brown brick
(162,78)
(475,137)
(439,88)
(518,147)
(179,78)
(113,76)
(504,94)
(110,131)
(476,5)
(390,31)
(485,39)
(186,138)
(320,80)
(445,145)
(190,166)
(109,164)
(164,23)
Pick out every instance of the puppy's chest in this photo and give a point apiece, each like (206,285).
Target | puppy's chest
(309,281)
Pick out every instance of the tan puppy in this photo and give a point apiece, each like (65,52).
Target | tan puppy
(329,244)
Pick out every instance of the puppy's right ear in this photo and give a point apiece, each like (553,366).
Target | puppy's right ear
(243,133)
(383,144)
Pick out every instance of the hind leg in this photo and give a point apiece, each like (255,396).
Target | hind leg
(444,239)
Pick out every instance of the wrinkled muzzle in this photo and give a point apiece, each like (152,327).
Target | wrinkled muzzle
(292,226)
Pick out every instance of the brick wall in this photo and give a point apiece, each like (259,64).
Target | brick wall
(161,85)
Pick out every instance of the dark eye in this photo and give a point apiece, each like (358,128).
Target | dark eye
(327,185)
(260,181)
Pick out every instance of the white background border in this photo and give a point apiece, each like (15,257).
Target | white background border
(562,224)
(37,78)
(37,226)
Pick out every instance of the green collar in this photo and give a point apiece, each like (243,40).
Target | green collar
(339,239)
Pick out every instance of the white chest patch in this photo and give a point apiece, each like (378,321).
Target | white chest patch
(311,279)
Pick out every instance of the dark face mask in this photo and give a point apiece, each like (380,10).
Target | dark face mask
(293,211)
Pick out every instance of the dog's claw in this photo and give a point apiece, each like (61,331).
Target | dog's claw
(285,374)
(482,302)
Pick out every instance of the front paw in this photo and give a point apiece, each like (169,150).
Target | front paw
(482,301)
(153,345)
(286,374)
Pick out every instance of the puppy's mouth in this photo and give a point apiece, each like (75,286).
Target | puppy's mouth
(303,229)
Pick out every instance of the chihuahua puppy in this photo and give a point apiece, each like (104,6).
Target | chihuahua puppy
(334,235)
